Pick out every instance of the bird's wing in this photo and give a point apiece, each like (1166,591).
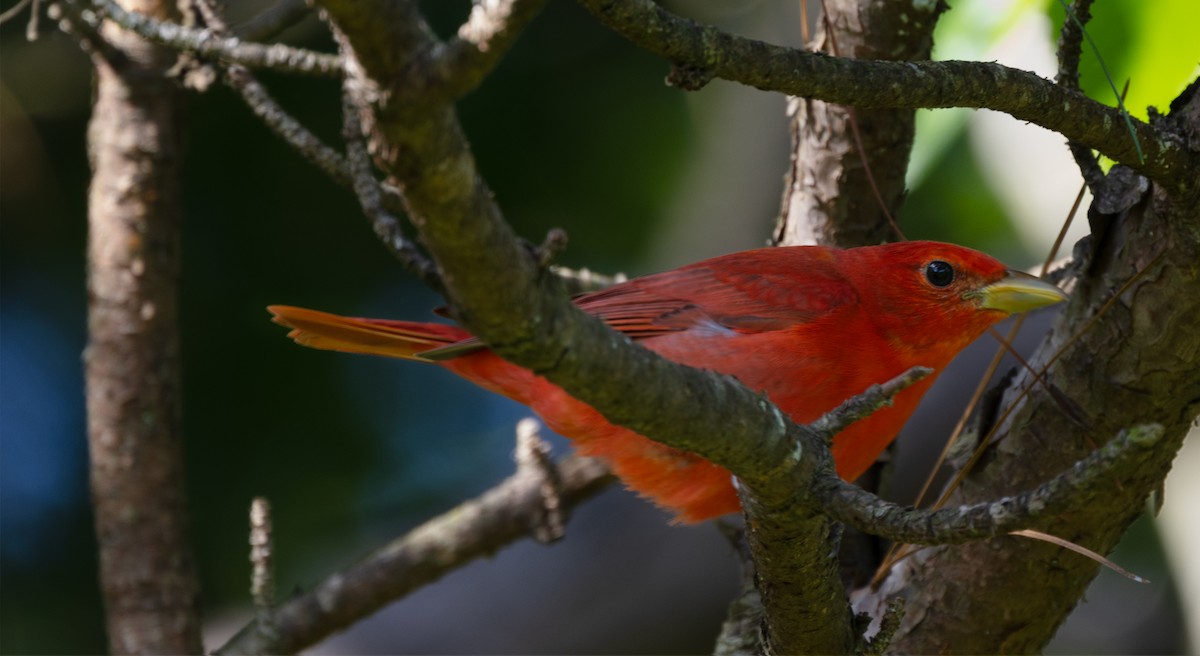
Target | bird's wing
(753,291)
(765,293)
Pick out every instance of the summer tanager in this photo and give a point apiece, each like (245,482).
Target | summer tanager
(810,326)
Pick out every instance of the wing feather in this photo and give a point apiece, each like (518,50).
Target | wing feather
(764,290)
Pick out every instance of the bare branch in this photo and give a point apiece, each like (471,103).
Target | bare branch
(262,558)
(578,281)
(511,511)
(1070,46)
(482,41)
(279,121)
(869,513)
(370,196)
(1021,94)
(204,42)
(15,10)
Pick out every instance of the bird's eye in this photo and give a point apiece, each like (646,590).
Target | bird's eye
(939,273)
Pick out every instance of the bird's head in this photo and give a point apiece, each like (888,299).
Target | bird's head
(937,295)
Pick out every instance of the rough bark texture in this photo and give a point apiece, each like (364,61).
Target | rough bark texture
(829,197)
(132,359)
(1137,363)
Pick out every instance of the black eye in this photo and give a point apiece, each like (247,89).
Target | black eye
(939,273)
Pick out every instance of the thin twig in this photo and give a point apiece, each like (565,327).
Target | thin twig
(286,127)
(1070,47)
(15,10)
(1137,144)
(276,57)
(476,528)
(579,281)
(482,41)
(262,559)
(907,84)
(370,196)
(82,27)
(1081,550)
(867,402)
(533,459)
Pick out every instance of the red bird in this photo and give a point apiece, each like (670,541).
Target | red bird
(811,326)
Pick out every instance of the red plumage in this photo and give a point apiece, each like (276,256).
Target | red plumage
(810,326)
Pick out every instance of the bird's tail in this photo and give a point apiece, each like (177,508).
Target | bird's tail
(397,339)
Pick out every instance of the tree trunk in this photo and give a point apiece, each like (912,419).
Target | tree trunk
(132,359)
(830,195)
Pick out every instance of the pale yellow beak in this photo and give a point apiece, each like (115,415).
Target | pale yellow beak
(1018,292)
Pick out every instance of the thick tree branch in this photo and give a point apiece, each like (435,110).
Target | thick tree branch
(791,537)
(497,288)
(513,510)
(901,84)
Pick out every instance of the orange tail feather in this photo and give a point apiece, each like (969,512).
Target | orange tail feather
(397,339)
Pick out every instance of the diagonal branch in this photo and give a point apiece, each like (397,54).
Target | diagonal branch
(927,84)
(375,198)
(372,199)
(511,511)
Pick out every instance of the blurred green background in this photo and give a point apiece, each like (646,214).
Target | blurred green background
(575,130)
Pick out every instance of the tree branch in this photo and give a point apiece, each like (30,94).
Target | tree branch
(1135,364)
(513,510)
(204,42)
(372,200)
(500,291)
(867,512)
(482,41)
(1070,47)
(1021,94)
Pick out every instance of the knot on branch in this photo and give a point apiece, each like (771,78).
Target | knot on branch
(689,78)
